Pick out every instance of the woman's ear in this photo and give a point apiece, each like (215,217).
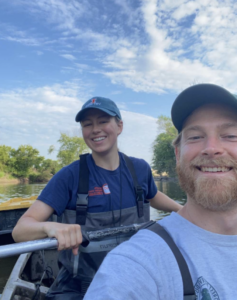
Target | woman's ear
(120,126)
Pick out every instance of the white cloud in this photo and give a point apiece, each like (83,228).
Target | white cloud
(37,116)
(69,56)
(138,135)
(147,46)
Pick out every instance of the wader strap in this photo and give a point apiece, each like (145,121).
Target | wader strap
(189,293)
(138,188)
(82,193)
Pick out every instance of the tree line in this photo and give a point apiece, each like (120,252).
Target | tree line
(26,161)
(163,152)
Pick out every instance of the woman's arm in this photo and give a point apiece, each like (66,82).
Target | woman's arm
(163,202)
(33,225)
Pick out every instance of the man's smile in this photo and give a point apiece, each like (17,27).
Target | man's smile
(215,169)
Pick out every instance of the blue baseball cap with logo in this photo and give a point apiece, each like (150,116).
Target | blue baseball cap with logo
(101,103)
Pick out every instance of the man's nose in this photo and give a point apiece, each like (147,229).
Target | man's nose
(213,147)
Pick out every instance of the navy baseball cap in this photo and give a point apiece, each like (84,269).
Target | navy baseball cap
(104,104)
(196,96)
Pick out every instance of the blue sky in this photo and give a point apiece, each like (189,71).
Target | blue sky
(56,54)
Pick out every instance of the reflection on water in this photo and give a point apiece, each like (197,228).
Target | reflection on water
(171,189)
(9,191)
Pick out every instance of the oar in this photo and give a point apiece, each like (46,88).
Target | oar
(25,247)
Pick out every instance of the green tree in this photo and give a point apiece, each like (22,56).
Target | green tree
(52,166)
(70,148)
(163,151)
(24,159)
(5,158)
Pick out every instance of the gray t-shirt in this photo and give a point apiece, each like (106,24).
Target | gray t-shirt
(144,267)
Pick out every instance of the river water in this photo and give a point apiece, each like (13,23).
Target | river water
(9,191)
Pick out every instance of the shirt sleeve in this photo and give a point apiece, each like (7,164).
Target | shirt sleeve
(152,188)
(57,193)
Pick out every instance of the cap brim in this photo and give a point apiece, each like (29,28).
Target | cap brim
(196,96)
(81,113)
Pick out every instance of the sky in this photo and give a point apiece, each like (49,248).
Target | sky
(57,54)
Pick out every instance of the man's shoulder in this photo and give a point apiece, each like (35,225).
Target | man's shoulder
(148,250)
(146,242)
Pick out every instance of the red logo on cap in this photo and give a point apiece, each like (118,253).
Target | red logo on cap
(93,101)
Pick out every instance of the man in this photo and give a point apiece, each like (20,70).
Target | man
(205,229)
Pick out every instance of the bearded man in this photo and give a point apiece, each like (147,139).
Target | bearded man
(204,230)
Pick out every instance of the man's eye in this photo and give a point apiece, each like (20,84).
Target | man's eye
(231,137)
(86,125)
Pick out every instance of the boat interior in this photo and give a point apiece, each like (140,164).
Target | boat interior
(32,275)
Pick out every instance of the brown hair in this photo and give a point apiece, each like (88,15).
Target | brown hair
(177,140)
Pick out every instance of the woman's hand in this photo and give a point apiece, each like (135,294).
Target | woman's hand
(69,236)
(33,225)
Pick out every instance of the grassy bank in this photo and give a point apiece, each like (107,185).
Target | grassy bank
(34,177)
(7,178)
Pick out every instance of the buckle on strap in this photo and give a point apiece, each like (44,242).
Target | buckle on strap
(82,200)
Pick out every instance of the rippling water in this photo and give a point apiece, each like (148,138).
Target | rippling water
(9,191)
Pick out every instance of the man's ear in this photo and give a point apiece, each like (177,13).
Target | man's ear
(177,154)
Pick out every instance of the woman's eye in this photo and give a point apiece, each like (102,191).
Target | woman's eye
(193,138)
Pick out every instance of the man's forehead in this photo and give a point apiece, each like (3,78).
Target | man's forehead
(208,111)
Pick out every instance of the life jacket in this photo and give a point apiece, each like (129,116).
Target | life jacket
(189,293)
(90,256)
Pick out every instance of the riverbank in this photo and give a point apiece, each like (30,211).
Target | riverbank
(32,179)
(6,180)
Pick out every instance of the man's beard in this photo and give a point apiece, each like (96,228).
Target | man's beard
(215,194)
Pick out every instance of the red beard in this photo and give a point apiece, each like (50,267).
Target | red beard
(215,194)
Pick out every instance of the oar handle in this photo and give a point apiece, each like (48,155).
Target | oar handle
(24,247)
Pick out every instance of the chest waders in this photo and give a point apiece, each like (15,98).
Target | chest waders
(189,293)
(90,256)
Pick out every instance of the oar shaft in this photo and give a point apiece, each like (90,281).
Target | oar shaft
(109,232)
(24,247)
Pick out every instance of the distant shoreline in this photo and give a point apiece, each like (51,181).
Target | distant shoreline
(4,180)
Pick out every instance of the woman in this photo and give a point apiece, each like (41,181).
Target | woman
(116,186)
